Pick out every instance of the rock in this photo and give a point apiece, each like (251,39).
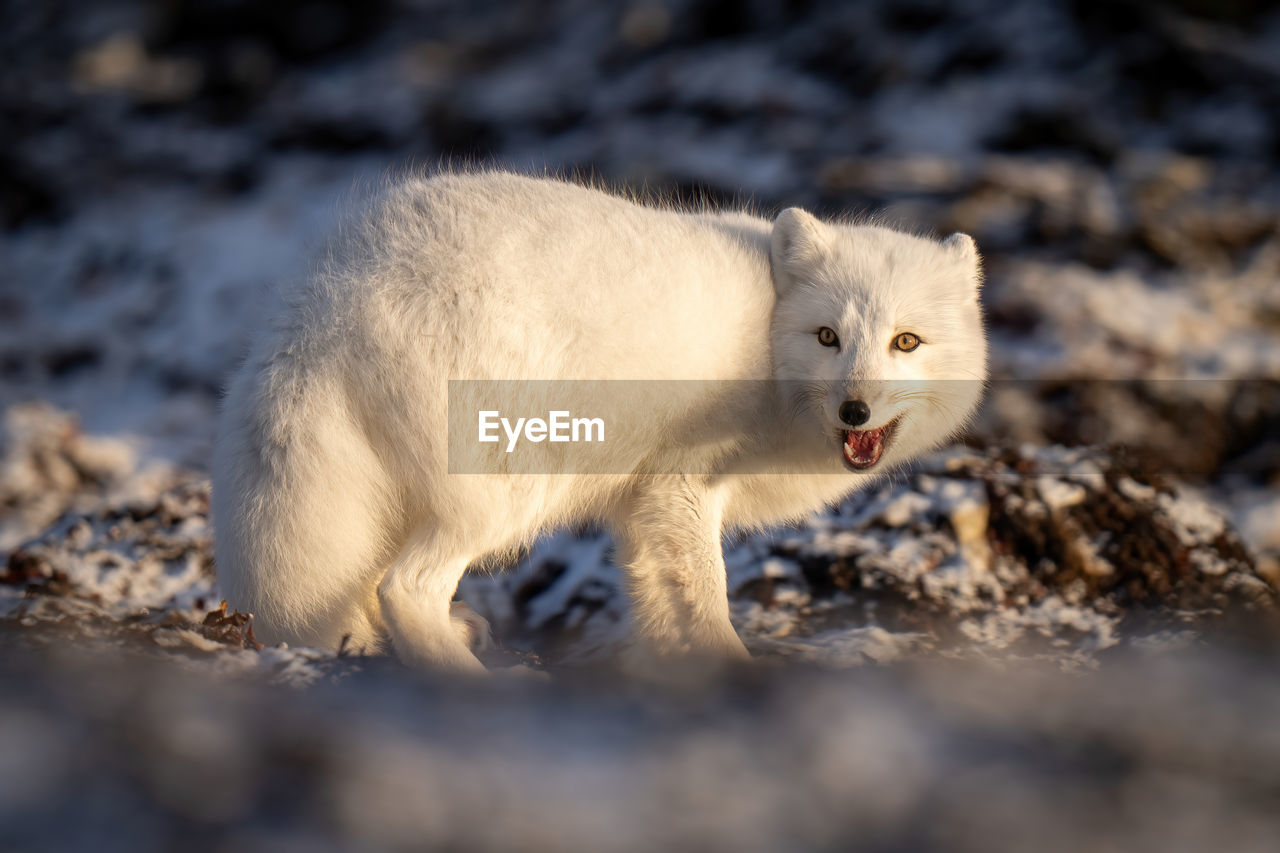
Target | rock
(1096,543)
(48,467)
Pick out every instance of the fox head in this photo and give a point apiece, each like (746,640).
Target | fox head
(877,337)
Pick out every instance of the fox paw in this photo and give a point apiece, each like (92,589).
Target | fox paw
(471,627)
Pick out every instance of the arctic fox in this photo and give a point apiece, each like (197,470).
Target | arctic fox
(848,349)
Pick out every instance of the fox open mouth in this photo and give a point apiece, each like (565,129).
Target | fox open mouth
(863,448)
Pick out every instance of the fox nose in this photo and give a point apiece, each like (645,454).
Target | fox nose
(855,412)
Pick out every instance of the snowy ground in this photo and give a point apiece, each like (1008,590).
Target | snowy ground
(1039,640)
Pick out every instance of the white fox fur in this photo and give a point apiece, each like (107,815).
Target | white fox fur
(336,515)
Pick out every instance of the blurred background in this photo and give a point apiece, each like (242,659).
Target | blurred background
(165,163)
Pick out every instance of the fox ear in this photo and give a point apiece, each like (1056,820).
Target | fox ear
(799,240)
(963,247)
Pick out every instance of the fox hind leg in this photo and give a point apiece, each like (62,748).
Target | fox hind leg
(415,596)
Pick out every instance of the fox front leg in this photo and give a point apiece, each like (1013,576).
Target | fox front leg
(668,536)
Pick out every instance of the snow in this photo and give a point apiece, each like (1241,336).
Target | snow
(1194,520)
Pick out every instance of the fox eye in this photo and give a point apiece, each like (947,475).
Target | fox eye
(906,342)
(828,338)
